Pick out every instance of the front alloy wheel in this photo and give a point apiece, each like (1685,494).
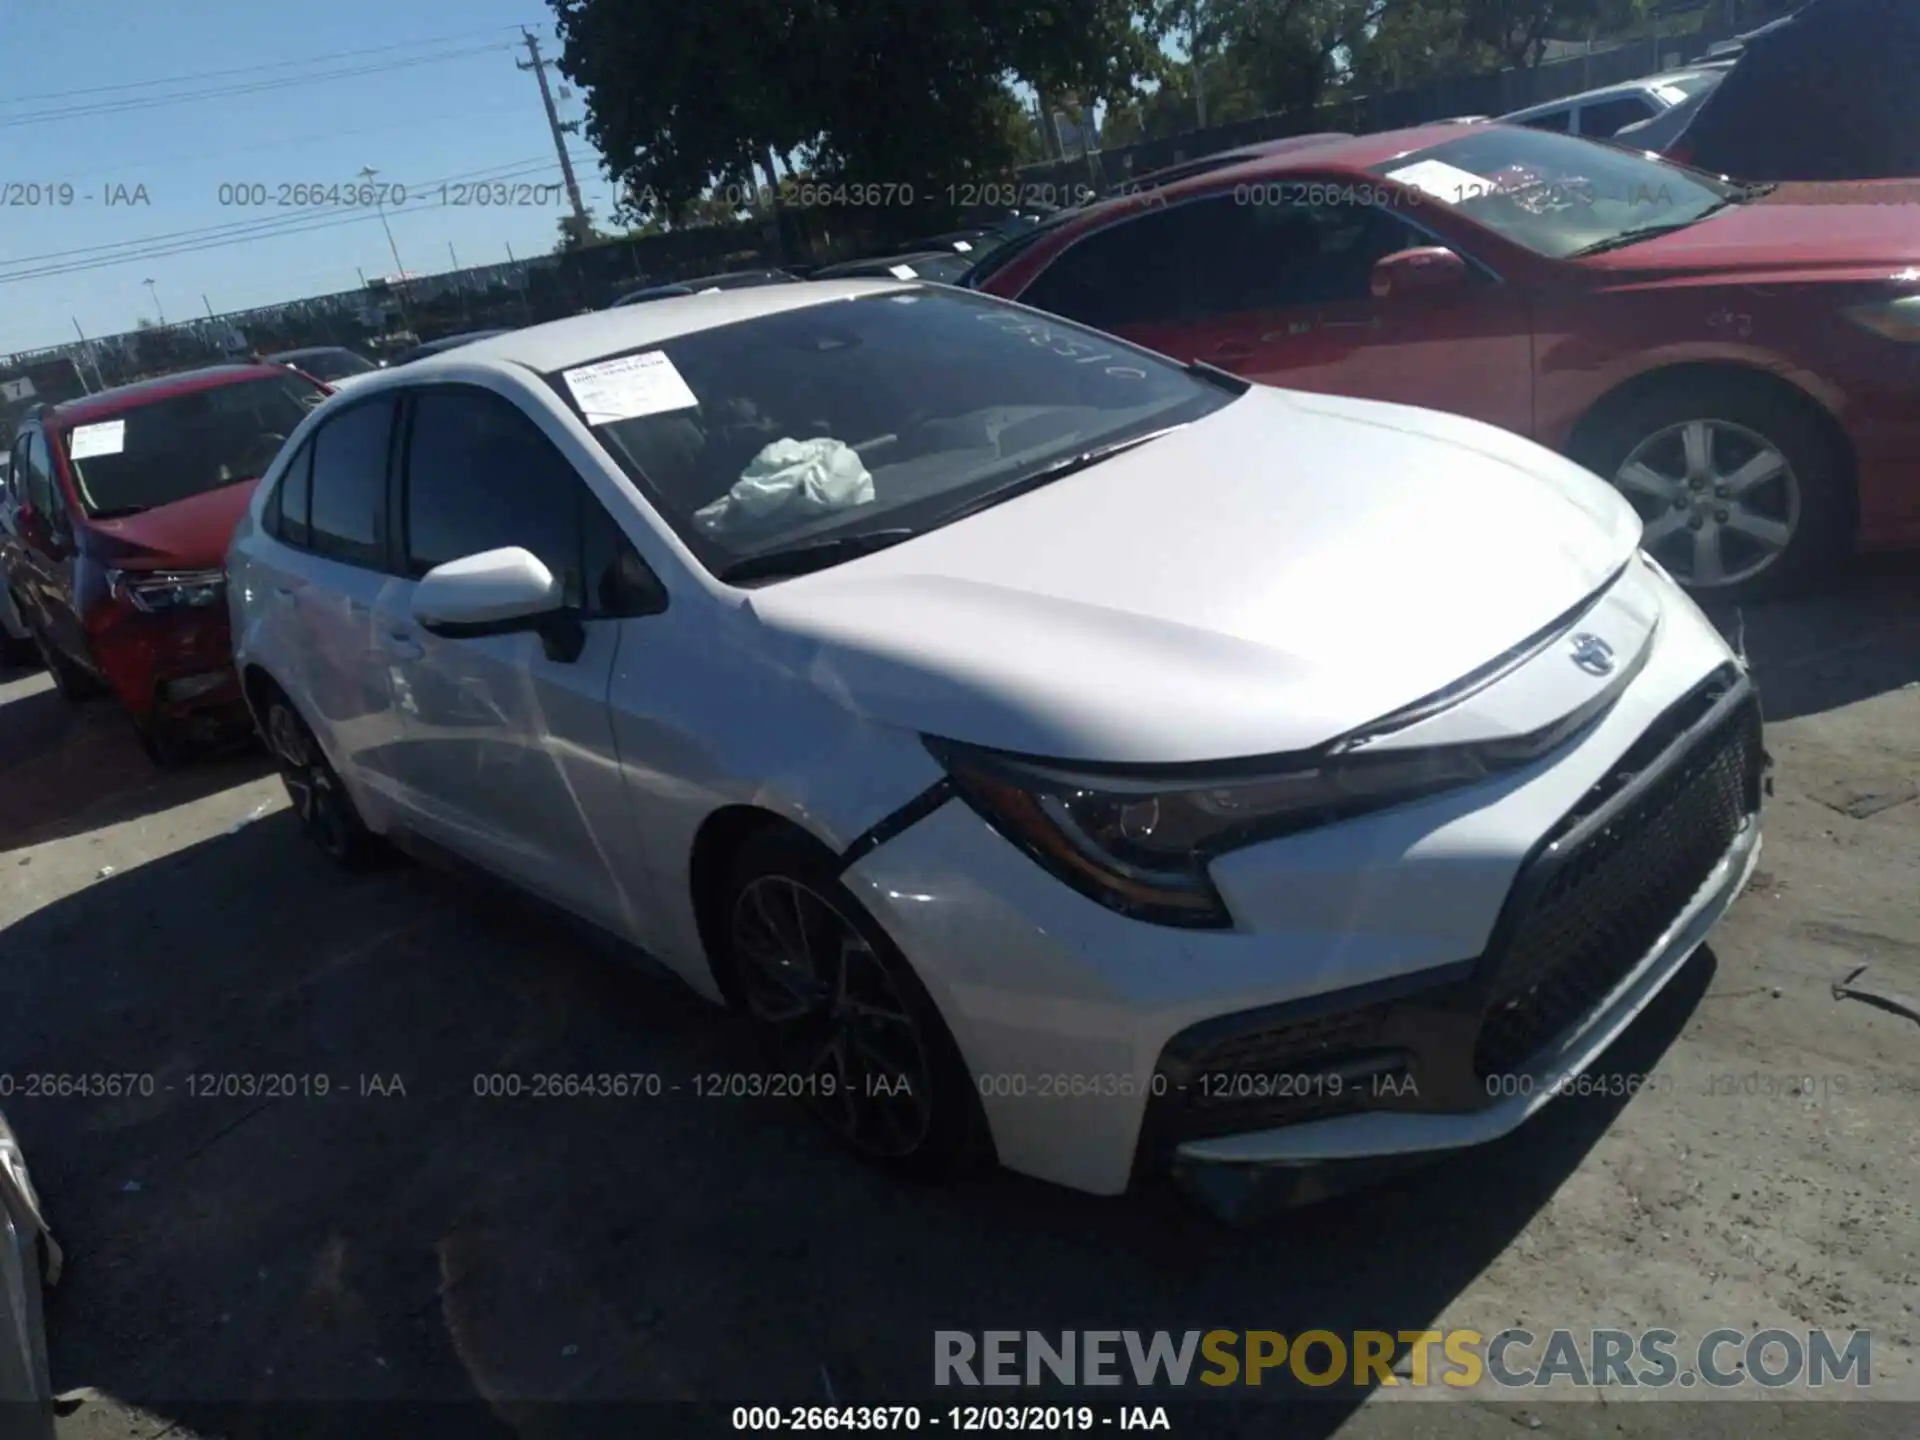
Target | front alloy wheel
(846,1020)
(1721,503)
(815,982)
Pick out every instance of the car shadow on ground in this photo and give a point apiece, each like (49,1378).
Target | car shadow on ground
(1859,639)
(235,1241)
(67,769)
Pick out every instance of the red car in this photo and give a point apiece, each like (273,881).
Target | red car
(123,505)
(1742,362)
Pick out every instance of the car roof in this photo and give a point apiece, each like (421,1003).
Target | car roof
(121,398)
(579,339)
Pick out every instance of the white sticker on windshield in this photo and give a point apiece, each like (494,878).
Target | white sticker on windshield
(627,388)
(1447,183)
(109,437)
(902,272)
(1672,94)
(963,247)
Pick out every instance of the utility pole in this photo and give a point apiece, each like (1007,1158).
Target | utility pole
(538,66)
(92,357)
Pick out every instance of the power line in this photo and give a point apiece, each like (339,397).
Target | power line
(262,65)
(154,102)
(151,164)
(192,242)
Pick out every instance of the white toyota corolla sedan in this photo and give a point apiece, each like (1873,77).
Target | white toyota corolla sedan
(1068,756)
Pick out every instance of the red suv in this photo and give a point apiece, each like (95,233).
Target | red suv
(123,503)
(1741,361)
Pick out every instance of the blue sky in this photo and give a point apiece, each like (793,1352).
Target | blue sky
(435,97)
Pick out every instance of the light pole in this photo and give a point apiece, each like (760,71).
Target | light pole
(367,172)
(156,303)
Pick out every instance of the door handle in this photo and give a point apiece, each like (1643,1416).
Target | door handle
(1373,324)
(1234,350)
(285,592)
(403,644)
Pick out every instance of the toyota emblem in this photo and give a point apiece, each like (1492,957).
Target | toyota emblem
(1592,654)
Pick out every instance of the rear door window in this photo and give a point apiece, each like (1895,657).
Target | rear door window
(349,485)
(288,516)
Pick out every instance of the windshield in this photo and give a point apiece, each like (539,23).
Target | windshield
(328,364)
(1555,194)
(884,411)
(185,444)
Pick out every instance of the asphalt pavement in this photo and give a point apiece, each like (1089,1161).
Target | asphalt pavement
(401,1237)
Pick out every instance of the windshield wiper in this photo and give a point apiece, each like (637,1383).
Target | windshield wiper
(813,555)
(1647,232)
(117,512)
(1047,474)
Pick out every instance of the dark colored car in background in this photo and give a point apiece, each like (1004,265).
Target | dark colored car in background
(442,345)
(125,502)
(729,280)
(331,363)
(1832,92)
(943,267)
(1739,361)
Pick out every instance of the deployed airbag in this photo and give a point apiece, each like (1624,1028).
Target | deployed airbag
(790,480)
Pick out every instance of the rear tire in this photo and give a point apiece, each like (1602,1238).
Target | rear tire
(321,804)
(837,1002)
(1743,492)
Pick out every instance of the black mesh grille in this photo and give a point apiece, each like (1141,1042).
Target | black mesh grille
(1299,1045)
(1284,1074)
(1607,903)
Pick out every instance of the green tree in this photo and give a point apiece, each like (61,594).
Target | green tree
(1517,31)
(872,92)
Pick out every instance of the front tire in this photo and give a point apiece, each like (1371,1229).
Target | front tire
(321,804)
(75,685)
(1743,492)
(838,1004)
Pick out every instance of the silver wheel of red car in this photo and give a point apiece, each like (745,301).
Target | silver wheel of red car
(1721,502)
(1743,483)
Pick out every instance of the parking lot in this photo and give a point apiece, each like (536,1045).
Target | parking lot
(403,1238)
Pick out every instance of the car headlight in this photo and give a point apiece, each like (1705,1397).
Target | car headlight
(155,590)
(1141,844)
(1893,319)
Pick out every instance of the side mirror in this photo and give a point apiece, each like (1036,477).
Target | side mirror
(498,592)
(1423,271)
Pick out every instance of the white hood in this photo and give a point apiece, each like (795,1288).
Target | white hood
(1280,573)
